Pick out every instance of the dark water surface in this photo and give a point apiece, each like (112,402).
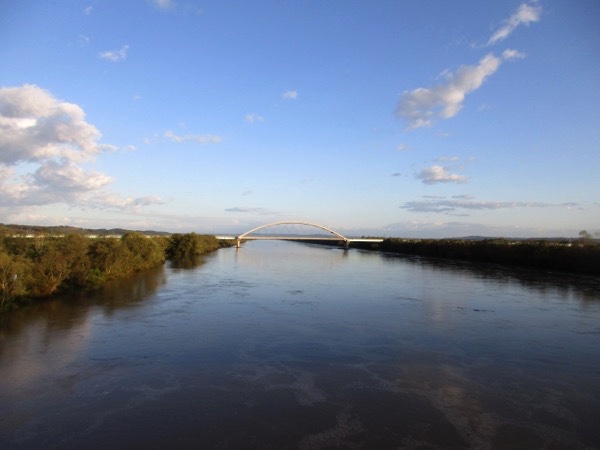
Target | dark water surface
(284,345)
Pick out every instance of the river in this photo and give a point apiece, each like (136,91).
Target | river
(287,345)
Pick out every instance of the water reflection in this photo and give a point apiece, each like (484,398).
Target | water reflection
(40,340)
(571,287)
(129,292)
(298,256)
(282,345)
(187,263)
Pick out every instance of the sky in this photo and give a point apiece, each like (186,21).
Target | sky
(409,118)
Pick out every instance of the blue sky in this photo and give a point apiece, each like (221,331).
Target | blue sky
(417,118)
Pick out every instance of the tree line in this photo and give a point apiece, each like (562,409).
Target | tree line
(34,268)
(580,256)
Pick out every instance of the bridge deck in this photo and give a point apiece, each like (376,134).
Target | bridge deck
(289,235)
(297,238)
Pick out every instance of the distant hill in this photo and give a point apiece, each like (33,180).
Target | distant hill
(514,239)
(66,229)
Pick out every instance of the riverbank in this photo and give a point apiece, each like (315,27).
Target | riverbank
(563,256)
(33,269)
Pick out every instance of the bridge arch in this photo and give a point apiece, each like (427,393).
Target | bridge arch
(292,222)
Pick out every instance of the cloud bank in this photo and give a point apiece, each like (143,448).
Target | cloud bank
(462,203)
(44,144)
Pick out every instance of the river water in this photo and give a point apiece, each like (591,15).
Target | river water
(286,345)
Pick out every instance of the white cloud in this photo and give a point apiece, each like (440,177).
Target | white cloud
(260,211)
(420,107)
(439,174)
(43,144)
(510,54)
(401,147)
(251,118)
(290,95)
(88,10)
(103,200)
(115,55)
(66,176)
(36,126)
(163,4)
(200,138)
(179,7)
(525,14)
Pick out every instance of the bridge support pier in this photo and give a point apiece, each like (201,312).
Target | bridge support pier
(238,242)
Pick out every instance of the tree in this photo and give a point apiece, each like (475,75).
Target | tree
(106,257)
(75,248)
(50,269)
(14,271)
(143,252)
(182,246)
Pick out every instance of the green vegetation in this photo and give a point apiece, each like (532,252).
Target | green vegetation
(39,267)
(580,256)
(186,246)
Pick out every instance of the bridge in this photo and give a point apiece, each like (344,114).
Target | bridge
(330,235)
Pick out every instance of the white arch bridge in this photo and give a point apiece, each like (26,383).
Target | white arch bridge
(330,235)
